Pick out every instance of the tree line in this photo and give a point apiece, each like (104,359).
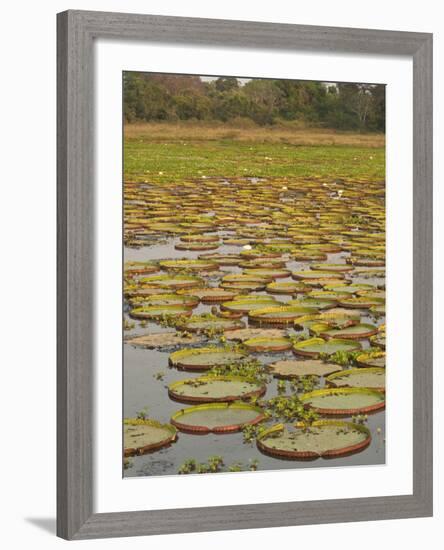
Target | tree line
(342,106)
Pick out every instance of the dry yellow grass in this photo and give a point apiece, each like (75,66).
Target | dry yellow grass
(157,132)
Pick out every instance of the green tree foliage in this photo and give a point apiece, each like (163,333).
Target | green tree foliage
(343,106)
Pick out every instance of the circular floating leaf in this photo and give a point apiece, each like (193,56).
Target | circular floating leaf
(210,295)
(197,246)
(144,436)
(269,273)
(290,287)
(156,312)
(204,358)
(167,300)
(338,268)
(241,286)
(265,344)
(371,359)
(362,302)
(344,401)
(243,334)
(207,389)
(315,346)
(172,281)
(190,265)
(245,306)
(323,438)
(308,367)
(217,418)
(314,303)
(373,378)
(140,268)
(221,259)
(163,339)
(206,323)
(353,332)
(199,238)
(278,314)
(306,275)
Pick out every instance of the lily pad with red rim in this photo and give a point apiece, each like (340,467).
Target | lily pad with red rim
(344,401)
(217,418)
(314,347)
(145,436)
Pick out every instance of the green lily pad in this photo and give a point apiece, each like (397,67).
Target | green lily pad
(278,314)
(264,344)
(145,436)
(286,287)
(172,281)
(309,367)
(206,389)
(208,323)
(353,332)
(245,306)
(373,378)
(315,346)
(371,359)
(323,438)
(205,358)
(190,265)
(156,312)
(344,401)
(306,275)
(218,418)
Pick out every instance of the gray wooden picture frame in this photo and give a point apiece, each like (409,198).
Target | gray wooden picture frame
(76,32)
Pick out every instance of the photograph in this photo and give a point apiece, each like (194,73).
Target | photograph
(253,284)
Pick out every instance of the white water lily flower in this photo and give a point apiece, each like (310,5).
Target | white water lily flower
(160,173)
(247,247)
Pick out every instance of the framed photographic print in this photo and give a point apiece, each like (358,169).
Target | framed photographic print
(244,274)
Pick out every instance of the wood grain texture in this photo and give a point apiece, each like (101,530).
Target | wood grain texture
(77,31)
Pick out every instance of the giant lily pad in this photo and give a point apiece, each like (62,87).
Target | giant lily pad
(210,295)
(190,265)
(205,358)
(265,344)
(242,334)
(144,436)
(344,401)
(371,359)
(207,389)
(245,306)
(163,340)
(287,287)
(373,378)
(172,281)
(308,367)
(323,438)
(279,315)
(353,332)
(315,346)
(218,418)
(314,303)
(210,323)
(167,300)
(304,275)
(157,312)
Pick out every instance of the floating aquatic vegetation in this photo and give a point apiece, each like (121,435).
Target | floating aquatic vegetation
(372,377)
(164,340)
(314,347)
(322,438)
(205,358)
(344,401)
(295,369)
(207,389)
(141,436)
(217,418)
